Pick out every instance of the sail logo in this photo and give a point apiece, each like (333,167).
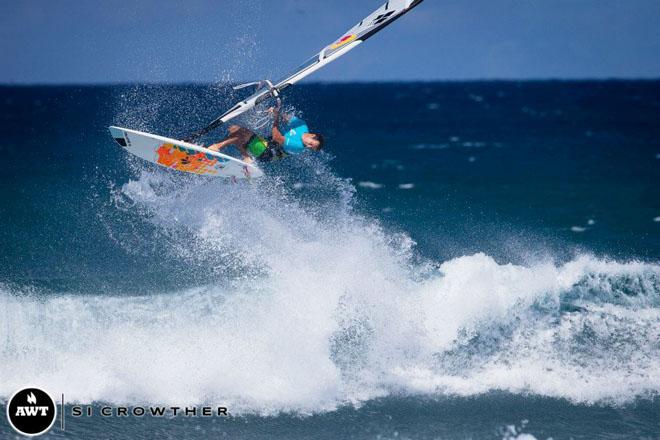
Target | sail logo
(343,40)
(382,18)
(31,411)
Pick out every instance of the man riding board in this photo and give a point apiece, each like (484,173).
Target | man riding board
(293,139)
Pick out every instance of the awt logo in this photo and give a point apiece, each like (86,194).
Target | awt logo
(31,411)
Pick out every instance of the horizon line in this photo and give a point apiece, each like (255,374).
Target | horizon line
(323,82)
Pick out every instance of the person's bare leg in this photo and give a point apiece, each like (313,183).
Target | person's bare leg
(229,140)
(244,153)
(237,136)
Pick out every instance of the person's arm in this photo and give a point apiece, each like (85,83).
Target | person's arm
(275,132)
(286,117)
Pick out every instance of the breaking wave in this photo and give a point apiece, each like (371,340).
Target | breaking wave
(317,306)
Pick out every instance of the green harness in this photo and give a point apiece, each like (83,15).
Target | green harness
(257,145)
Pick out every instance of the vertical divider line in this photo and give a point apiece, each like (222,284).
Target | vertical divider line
(62,414)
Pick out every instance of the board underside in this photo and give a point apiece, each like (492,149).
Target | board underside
(182,156)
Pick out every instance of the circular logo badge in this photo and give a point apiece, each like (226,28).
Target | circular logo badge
(31,411)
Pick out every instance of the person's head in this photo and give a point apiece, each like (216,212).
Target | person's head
(313,141)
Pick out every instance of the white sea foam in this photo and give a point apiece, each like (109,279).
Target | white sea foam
(337,312)
(370,185)
(514,432)
(430,146)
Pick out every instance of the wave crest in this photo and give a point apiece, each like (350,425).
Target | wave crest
(325,307)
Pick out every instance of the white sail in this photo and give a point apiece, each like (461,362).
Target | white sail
(366,28)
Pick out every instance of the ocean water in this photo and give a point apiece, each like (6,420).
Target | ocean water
(464,260)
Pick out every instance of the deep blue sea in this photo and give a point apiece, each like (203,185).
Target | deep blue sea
(464,260)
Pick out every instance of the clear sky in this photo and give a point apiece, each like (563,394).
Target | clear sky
(107,41)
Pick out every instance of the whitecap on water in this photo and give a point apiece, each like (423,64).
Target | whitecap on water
(370,185)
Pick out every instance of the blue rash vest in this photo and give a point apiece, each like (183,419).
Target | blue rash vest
(294,131)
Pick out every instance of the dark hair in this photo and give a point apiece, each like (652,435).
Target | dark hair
(319,137)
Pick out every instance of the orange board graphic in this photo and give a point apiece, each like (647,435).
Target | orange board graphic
(178,158)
